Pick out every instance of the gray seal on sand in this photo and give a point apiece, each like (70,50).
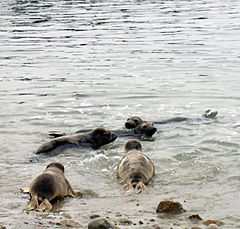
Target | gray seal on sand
(135,168)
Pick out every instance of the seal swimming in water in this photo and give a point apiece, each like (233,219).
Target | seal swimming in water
(137,127)
(135,168)
(134,121)
(49,185)
(94,139)
(144,129)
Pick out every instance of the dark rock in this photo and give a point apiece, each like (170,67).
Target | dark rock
(101,223)
(2,226)
(170,207)
(195,218)
(94,216)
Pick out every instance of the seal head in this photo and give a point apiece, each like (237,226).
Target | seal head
(145,128)
(133,122)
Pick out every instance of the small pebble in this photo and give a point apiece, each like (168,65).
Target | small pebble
(140,222)
(101,223)
(195,217)
(94,216)
(212,226)
(125,221)
(69,223)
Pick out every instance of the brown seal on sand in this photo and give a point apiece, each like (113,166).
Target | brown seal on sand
(49,185)
(95,139)
(135,168)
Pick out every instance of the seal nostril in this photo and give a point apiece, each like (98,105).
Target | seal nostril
(128,125)
(151,131)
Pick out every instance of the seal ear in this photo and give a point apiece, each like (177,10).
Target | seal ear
(24,190)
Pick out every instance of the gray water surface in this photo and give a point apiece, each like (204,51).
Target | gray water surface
(69,65)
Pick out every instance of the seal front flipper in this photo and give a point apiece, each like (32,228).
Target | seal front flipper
(56,134)
(24,190)
(71,192)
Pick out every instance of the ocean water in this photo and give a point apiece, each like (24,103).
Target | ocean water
(70,65)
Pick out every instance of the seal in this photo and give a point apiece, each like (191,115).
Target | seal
(94,139)
(49,185)
(134,121)
(144,129)
(210,114)
(135,168)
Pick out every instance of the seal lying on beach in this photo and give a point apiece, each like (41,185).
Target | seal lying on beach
(135,121)
(49,185)
(94,139)
(144,129)
(135,168)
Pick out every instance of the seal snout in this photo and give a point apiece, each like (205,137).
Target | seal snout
(151,130)
(129,125)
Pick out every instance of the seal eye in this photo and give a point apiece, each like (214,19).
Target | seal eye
(135,120)
(144,126)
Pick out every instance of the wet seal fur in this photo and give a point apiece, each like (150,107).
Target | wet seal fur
(49,185)
(135,121)
(144,129)
(94,139)
(135,168)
